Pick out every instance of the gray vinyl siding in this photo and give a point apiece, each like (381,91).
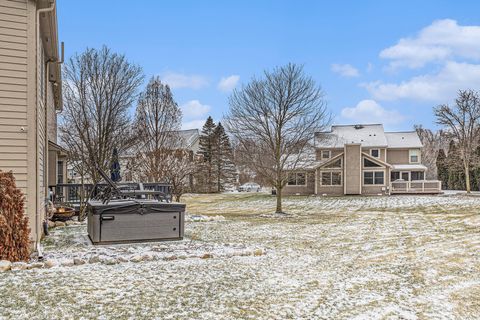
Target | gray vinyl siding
(13,90)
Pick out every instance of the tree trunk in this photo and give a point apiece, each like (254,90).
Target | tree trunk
(279,201)
(82,209)
(467,177)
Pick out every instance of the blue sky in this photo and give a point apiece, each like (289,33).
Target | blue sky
(377,61)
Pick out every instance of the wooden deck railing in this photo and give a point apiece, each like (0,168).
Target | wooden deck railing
(70,192)
(417,186)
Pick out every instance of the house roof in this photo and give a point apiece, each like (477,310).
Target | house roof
(55,147)
(368,135)
(305,160)
(184,139)
(408,139)
(188,138)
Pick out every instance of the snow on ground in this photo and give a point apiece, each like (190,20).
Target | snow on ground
(409,257)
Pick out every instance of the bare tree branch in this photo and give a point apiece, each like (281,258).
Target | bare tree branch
(273,121)
(462,120)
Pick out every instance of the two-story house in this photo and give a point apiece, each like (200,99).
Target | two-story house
(363,160)
(30,97)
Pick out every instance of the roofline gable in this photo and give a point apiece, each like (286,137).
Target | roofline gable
(321,165)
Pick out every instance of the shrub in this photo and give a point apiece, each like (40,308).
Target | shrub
(14,231)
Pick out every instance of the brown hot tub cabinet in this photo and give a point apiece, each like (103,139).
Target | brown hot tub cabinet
(135,220)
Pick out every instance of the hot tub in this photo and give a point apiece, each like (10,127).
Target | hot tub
(134,220)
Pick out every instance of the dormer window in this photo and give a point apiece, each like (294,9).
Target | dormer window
(325,154)
(375,153)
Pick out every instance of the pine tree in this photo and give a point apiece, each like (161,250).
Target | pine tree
(442,168)
(224,168)
(455,171)
(476,171)
(206,173)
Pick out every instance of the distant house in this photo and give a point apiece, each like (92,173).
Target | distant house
(362,160)
(30,98)
(188,140)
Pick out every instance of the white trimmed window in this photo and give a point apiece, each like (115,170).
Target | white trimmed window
(414,156)
(375,153)
(325,154)
(297,179)
(373,178)
(331,178)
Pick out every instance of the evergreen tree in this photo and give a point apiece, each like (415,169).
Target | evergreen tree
(206,173)
(442,168)
(222,158)
(455,170)
(476,171)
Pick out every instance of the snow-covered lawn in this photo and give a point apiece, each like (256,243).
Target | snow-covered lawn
(410,257)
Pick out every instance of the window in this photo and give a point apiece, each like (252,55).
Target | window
(378,177)
(414,156)
(394,175)
(417,175)
(297,179)
(325,154)
(60,172)
(331,178)
(335,164)
(373,177)
(370,164)
(375,153)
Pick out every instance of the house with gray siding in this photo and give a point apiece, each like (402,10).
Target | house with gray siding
(30,98)
(362,160)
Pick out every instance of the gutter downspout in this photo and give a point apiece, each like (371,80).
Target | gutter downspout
(45,151)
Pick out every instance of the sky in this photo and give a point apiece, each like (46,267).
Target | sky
(376,61)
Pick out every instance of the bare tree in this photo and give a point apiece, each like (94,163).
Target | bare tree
(99,88)
(274,119)
(462,120)
(157,121)
(78,160)
(179,166)
(432,142)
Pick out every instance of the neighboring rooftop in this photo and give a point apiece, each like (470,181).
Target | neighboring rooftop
(184,139)
(189,139)
(369,135)
(408,139)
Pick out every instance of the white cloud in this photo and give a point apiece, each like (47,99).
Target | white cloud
(345,70)
(369,67)
(436,87)
(229,83)
(369,111)
(179,80)
(442,40)
(194,109)
(194,124)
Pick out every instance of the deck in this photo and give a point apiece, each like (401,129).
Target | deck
(416,187)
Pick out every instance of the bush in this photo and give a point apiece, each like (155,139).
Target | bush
(14,231)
